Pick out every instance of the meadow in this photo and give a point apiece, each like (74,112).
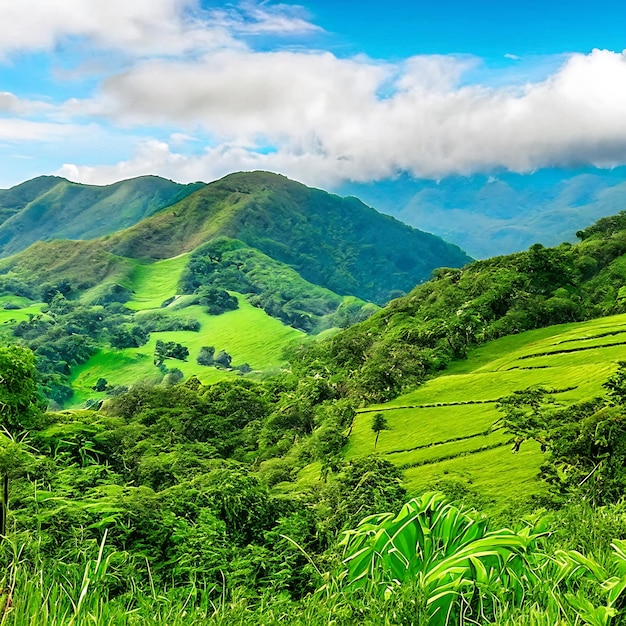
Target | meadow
(248,334)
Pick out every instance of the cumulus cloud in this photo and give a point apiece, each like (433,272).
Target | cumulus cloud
(327,118)
(139,27)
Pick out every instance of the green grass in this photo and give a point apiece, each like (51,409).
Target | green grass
(248,334)
(18,315)
(441,431)
(155,282)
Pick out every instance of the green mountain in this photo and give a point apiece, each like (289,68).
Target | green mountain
(50,207)
(419,334)
(251,247)
(338,243)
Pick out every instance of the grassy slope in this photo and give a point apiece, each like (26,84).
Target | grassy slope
(83,263)
(433,439)
(248,334)
(155,282)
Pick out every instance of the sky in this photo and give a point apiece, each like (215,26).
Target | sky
(324,91)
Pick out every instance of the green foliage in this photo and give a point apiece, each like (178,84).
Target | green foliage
(278,289)
(469,573)
(216,301)
(206,356)
(379,423)
(419,334)
(169,350)
(19,395)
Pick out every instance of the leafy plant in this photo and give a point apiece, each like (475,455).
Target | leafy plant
(470,574)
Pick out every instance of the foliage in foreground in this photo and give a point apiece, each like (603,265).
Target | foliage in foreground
(432,564)
(470,574)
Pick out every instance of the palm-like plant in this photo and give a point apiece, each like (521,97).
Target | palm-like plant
(462,566)
(471,574)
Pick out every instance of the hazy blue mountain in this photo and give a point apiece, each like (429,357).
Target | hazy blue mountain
(502,213)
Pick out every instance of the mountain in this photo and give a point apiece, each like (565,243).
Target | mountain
(50,207)
(504,212)
(251,250)
(338,243)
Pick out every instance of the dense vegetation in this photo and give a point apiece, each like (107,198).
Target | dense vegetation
(337,243)
(186,503)
(159,509)
(419,334)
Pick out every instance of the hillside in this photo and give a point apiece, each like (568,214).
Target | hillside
(447,432)
(50,207)
(219,474)
(338,243)
(421,333)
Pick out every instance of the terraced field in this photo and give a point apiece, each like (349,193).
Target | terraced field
(446,429)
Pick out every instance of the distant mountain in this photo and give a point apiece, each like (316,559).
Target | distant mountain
(337,243)
(503,213)
(50,207)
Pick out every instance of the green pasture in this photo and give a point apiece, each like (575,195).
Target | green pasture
(248,334)
(12,316)
(444,430)
(498,475)
(155,282)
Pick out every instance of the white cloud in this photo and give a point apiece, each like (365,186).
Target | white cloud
(139,27)
(328,118)
(19,131)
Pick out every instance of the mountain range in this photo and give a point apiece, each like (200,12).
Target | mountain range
(501,213)
(337,243)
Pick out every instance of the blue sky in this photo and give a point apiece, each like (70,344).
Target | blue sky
(324,92)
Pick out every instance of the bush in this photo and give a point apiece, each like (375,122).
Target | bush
(206,355)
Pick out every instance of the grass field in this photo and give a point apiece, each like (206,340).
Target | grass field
(443,431)
(248,334)
(155,282)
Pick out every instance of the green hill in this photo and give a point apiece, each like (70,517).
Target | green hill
(337,243)
(419,334)
(50,207)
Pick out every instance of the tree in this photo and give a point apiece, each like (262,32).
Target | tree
(223,358)
(524,416)
(169,349)
(20,400)
(101,384)
(20,405)
(379,423)
(206,356)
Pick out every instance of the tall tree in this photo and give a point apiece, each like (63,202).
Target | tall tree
(379,423)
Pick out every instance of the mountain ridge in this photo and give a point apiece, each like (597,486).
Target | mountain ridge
(51,207)
(339,243)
